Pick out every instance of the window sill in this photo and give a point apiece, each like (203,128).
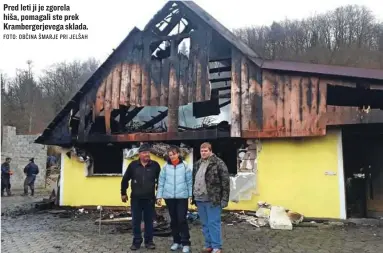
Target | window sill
(105,175)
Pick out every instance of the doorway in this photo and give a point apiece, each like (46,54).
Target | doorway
(363,170)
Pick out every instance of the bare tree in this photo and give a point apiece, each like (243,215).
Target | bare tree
(62,80)
(348,35)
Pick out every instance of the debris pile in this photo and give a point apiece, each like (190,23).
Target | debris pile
(276,217)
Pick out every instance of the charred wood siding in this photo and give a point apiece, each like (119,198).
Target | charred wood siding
(347,115)
(286,104)
(281,105)
(141,81)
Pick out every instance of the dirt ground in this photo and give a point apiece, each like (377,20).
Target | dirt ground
(45,232)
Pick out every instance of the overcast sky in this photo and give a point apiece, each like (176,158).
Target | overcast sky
(110,21)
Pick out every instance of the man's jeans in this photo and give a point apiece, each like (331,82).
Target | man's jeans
(139,207)
(211,224)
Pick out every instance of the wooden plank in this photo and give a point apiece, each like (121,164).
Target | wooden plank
(108,102)
(347,115)
(183,89)
(125,84)
(146,83)
(245,98)
(116,82)
(269,101)
(235,130)
(189,80)
(135,72)
(165,72)
(306,103)
(81,127)
(204,60)
(220,69)
(295,121)
(193,63)
(155,83)
(171,37)
(100,97)
(280,102)
(255,99)
(322,104)
(286,82)
(314,107)
(136,76)
(173,90)
(199,94)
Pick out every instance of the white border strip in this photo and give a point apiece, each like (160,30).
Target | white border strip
(62,179)
(342,190)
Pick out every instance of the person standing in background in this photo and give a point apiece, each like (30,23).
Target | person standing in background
(6,177)
(211,190)
(175,186)
(31,171)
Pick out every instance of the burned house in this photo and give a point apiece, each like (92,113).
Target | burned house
(296,131)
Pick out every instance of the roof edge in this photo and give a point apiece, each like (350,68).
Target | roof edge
(80,93)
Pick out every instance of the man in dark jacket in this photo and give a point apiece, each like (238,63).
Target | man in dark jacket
(31,170)
(143,174)
(211,190)
(6,177)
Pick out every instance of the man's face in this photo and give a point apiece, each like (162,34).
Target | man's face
(144,156)
(205,153)
(8,161)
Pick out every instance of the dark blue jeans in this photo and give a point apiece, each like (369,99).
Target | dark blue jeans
(142,208)
(211,224)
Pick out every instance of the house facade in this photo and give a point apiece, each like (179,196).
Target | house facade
(303,136)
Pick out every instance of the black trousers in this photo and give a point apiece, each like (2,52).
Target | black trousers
(142,208)
(5,185)
(178,209)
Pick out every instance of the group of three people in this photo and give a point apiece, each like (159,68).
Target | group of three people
(207,186)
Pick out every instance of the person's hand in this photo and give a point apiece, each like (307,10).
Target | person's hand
(124,198)
(191,201)
(224,204)
(159,202)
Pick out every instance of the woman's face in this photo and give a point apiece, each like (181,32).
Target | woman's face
(173,155)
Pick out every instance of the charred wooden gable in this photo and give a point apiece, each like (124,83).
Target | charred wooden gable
(267,98)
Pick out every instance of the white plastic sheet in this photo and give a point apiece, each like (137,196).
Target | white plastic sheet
(242,186)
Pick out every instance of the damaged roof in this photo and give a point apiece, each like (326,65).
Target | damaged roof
(210,21)
(86,87)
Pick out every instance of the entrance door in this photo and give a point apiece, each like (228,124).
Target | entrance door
(363,169)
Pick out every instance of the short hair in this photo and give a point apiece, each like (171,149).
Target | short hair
(206,145)
(8,158)
(174,149)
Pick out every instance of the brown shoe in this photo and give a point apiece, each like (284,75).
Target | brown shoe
(206,250)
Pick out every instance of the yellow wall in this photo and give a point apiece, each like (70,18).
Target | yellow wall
(291,173)
(80,190)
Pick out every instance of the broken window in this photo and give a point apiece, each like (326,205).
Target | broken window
(162,50)
(149,119)
(247,157)
(244,184)
(184,47)
(354,94)
(105,159)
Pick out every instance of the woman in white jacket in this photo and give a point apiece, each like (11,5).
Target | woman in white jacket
(175,187)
